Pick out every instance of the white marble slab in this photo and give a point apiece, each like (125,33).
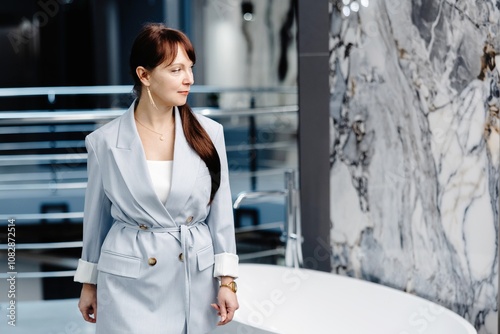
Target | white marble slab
(415,151)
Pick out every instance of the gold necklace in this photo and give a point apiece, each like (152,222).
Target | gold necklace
(158,133)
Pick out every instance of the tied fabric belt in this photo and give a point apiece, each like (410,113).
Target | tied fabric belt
(183,230)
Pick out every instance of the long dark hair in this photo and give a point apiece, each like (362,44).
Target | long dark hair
(157,44)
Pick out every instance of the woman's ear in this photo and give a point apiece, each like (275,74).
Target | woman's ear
(143,75)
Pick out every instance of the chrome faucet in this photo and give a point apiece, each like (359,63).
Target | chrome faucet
(292,233)
(257,195)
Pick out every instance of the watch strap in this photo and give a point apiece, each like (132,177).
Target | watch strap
(231,285)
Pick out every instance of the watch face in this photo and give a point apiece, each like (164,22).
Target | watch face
(231,285)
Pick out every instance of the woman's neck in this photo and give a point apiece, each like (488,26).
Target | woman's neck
(157,119)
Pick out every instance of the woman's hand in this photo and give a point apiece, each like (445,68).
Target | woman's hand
(88,302)
(227,305)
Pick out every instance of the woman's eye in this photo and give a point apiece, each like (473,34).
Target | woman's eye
(175,70)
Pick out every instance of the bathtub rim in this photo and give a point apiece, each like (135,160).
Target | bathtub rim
(456,317)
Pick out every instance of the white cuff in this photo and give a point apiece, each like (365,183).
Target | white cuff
(86,272)
(226,264)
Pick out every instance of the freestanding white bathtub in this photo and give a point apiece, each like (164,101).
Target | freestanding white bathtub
(276,299)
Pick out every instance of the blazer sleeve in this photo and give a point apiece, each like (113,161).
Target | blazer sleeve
(221,220)
(97,219)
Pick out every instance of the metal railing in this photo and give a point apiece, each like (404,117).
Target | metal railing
(127,89)
(95,115)
(32,118)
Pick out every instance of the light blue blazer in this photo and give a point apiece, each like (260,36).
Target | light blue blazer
(155,265)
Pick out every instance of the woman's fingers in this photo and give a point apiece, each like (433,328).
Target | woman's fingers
(88,314)
(215,306)
(226,307)
(88,303)
(229,315)
(223,314)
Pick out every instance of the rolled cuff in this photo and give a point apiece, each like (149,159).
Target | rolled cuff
(86,272)
(226,264)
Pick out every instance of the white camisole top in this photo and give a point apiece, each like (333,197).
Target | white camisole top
(161,175)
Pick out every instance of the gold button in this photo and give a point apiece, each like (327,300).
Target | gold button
(189,219)
(181,257)
(151,261)
(143,227)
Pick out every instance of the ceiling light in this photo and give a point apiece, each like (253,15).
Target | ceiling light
(346,11)
(247,10)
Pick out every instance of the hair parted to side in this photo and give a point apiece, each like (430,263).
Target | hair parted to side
(156,44)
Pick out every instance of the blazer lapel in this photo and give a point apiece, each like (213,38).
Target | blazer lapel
(130,160)
(185,169)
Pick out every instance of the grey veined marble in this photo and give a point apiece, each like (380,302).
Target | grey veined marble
(415,149)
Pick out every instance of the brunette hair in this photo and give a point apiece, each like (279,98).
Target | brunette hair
(157,44)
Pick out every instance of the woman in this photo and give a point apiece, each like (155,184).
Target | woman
(158,232)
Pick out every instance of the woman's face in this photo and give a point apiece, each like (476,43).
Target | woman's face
(170,84)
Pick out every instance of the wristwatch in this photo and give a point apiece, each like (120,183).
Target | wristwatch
(231,285)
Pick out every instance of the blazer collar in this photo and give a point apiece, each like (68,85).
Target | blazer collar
(185,168)
(127,131)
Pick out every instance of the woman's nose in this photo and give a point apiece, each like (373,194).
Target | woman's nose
(189,79)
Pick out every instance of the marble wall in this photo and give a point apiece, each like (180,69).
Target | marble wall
(415,150)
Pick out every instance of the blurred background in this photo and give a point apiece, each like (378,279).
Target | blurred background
(66,73)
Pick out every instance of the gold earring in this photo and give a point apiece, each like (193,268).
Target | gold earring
(151,99)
